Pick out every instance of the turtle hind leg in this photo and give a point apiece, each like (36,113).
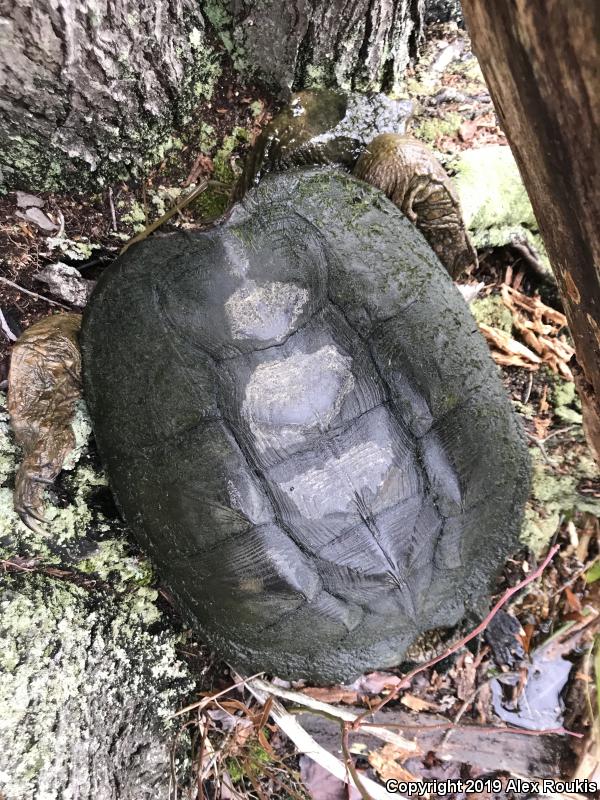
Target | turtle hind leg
(44,384)
(415,181)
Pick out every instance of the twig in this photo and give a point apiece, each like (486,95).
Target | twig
(113,214)
(209,699)
(349,761)
(557,432)
(165,217)
(461,642)
(334,712)
(33,294)
(527,394)
(305,744)
(540,443)
(5,327)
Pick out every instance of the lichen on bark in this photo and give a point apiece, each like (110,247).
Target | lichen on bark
(89,669)
(308,43)
(91,90)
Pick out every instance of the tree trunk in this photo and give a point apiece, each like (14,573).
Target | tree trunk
(92,88)
(89,666)
(301,43)
(541,60)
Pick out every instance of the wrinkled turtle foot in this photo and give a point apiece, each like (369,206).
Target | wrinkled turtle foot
(44,384)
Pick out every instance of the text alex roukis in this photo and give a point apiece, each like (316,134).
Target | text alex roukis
(543,785)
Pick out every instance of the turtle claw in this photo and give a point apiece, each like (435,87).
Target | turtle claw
(31,512)
(31,516)
(29,519)
(29,498)
(41,479)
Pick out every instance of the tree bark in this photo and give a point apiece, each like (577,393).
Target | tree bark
(89,666)
(364,45)
(92,88)
(541,60)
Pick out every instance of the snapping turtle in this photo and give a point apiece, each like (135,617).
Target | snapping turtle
(304,428)
(366,135)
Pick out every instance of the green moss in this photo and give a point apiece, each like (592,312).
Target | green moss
(136,217)
(430,130)
(225,166)
(71,661)
(73,658)
(7,448)
(254,757)
(80,250)
(27,155)
(492,311)
(118,151)
(495,204)
(554,493)
(210,204)
(565,400)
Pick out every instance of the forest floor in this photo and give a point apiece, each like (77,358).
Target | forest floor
(533,669)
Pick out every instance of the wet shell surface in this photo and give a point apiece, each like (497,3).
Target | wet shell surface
(304,428)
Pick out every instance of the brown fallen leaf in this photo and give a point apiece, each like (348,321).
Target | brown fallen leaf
(332,694)
(386,763)
(505,343)
(539,326)
(417,703)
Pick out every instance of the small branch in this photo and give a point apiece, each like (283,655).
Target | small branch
(350,762)
(6,329)
(333,712)
(165,217)
(113,214)
(208,700)
(305,744)
(461,642)
(33,294)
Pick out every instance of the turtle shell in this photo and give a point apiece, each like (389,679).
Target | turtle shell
(303,426)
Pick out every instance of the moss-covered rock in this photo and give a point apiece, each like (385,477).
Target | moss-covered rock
(495,204)
(89,670)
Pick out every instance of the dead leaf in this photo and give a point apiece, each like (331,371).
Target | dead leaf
(572,600)
(417,703)
(332,694)
(25,200)
(322,785)
(468,129)
(38,218)
(386,763)
(376,682)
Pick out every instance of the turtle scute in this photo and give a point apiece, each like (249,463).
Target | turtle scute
(303,426)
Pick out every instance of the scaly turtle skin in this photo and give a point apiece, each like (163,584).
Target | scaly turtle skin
(366,135)
(304,428)
(407,172)
(321,126)
(45,383)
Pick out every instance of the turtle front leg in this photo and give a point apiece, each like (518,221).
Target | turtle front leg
(44,384)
